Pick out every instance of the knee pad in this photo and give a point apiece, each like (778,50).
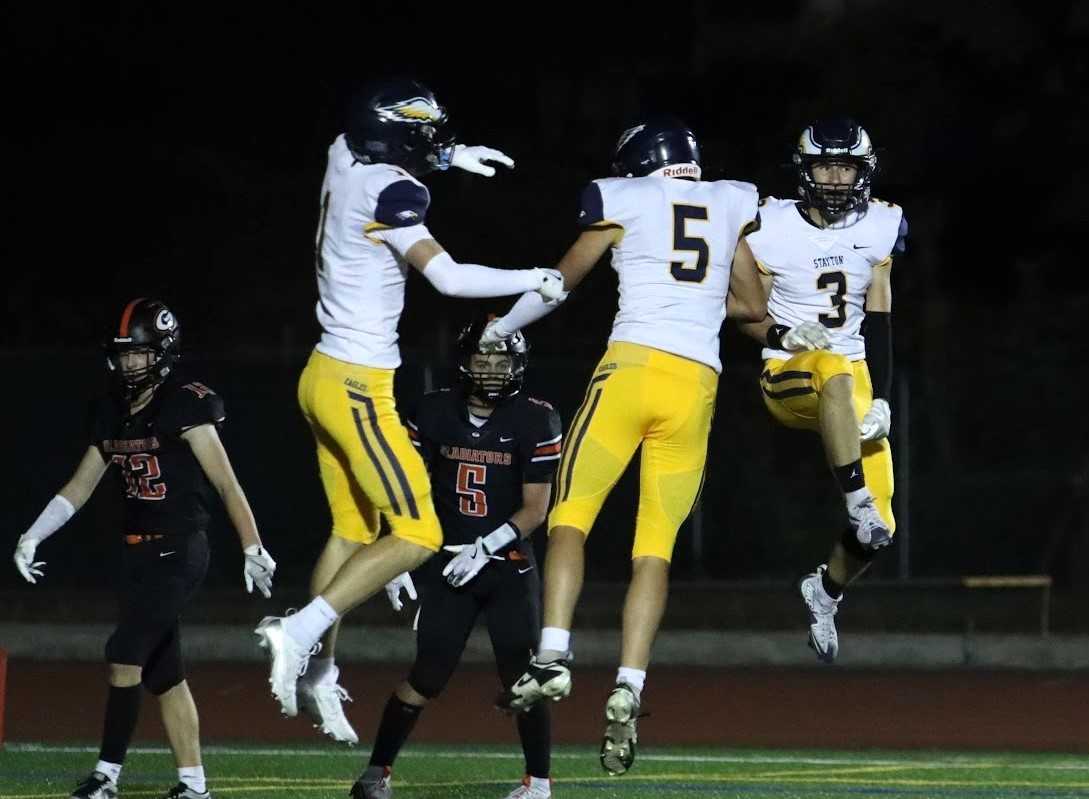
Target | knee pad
(429,675)
(826,365)
(164,669)
(855,549)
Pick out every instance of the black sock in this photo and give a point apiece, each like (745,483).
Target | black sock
(398,719)
(850,476)
(535,730)
(122,711)
(831,587)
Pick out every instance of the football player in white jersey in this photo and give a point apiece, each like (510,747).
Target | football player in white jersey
(371,230)
(679,251)
(825,261)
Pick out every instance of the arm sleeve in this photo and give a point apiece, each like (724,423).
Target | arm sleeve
(530,307)
(472,280)
(543,442)
(877,330)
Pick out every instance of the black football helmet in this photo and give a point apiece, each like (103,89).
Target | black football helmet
(399,122)
(146,325)
(837,139)
(500,383)
(655,143)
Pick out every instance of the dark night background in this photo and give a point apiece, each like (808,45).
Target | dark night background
(179,153)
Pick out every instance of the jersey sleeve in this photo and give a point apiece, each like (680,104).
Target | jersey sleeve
(402,203)
(543,441)
(900,247)
(598,207)
(191,405)
(419,422)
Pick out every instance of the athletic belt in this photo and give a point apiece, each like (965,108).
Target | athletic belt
(142,538)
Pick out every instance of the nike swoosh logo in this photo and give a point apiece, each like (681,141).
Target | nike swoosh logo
(861,246)
(505,440)
(523,571)
(164,554)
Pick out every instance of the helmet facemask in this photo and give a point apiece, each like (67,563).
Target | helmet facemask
(132,377)
(492,377)
(834,200)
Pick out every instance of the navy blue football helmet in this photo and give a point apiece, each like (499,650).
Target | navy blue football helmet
(839,140)
(503,378)
(657,142)
(399,121)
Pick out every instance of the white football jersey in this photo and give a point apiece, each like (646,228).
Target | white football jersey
(823,274)
(674,258)
(371,214)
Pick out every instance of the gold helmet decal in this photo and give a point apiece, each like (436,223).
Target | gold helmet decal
(417,109)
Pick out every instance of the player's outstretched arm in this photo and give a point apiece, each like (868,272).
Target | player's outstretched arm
(472,280)
(576,263)
(210,454)
(59,510)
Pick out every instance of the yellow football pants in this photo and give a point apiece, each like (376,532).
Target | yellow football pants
(638,395)
(367,463)
(792,392)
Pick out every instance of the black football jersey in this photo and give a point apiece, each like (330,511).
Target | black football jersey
(164,486)
(477,473)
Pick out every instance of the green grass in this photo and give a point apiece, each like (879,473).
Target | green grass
(29,772)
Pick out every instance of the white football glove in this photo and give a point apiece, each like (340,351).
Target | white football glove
(393,590)
(467,563)
(806,336)
(551,288)
(877,421)
(491,336)
(258,569)
(24,559)
(472,159)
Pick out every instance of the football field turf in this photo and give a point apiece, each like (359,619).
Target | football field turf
(45,772)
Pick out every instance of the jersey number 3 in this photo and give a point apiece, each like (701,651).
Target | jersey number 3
(682,242)
(838,280)
(472,501)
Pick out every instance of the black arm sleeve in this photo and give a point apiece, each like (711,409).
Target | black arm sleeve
(877,330)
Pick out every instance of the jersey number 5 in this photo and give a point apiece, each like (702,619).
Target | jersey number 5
(472,500)
(839,280)
(140,470)
(682,242)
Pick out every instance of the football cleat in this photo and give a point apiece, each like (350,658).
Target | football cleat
(373,783)
(183,791)
(823,638)
(870,529)
(548,680)
(96,786)
(618,743)
(289,661)
(322,701)
(527,790)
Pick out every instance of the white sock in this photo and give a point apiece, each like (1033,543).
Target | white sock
(319,670)
(636,678)
(541,783)
(310,623)
(193,776)
(555,643)
(111,770)
(857,497)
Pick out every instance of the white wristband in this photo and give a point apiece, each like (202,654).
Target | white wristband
(500,537)
(52,518)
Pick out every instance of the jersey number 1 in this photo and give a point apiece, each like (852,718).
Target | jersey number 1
(682,242)
(472,501)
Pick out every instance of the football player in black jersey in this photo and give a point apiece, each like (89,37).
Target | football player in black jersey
(161,431)
(491,451)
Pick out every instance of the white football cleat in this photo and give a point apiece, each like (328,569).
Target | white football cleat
(618,743)
(542,680)
(322,700)
(823,638)
(289,661)
(527,790)
(870,529)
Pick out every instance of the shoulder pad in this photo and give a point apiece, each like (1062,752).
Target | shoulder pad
(190,404)
(402,203)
